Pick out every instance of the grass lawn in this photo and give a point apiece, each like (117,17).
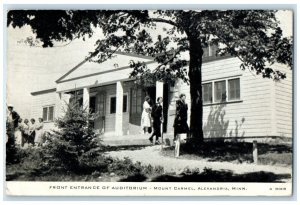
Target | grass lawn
(236,152)
(29,169)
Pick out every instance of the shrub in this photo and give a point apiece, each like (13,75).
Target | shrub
(33,159)
(126,167)
(75,145)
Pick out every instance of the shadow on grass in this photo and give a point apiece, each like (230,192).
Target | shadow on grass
(223,176)
(235,151)
(123,147)
(135,178)
(207,175)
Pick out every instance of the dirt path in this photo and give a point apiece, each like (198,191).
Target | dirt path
(152,155)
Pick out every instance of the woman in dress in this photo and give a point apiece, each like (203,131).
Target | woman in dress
(39,133)
(25,132)
(146,115)
(32,132)
(18,133)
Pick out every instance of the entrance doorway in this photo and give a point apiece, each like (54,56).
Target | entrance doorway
(137,98)
(151,92)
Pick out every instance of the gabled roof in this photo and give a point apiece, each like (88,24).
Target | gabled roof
(87,60)
(43,91)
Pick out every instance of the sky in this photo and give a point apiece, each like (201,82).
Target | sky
(32,69)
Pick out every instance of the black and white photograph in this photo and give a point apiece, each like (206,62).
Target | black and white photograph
(149,102)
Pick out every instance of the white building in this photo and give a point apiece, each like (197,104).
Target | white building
(237,103)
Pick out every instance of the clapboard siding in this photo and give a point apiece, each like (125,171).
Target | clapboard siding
(283,96)
(248,118)
(40,101)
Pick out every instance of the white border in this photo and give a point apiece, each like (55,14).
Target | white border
(124,200)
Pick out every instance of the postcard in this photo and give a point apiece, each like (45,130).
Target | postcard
(149,103)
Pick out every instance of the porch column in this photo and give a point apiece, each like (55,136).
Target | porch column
(159,90)
(86,98)
(119,109)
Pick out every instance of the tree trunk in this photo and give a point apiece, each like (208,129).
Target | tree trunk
(195,76)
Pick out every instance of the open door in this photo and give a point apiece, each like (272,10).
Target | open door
(136,106)
(137,98)
(100,110)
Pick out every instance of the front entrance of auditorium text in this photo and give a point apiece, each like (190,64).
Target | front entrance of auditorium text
(137,98)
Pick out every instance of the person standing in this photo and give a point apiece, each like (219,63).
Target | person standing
(180,122)
(25,132)
(11,124)
(18,133)
(32,132)
(157,117)
(146,115)
(39,133)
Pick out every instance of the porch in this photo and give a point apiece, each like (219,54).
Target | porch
(134,139)
(117,107)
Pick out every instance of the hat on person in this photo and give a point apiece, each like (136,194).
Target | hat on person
(10,105)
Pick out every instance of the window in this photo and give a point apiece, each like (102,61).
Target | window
(210,50)
(136,101)
(48,113)
(93,104)
(113,104)
(220,91)
(125,103)
(213,50)
(207,92)
(234,89)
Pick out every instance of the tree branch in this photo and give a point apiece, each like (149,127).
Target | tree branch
(159,20)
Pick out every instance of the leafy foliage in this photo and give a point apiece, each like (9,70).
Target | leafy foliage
(247,34)
(126,167)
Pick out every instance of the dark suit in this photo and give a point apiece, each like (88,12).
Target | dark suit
(15,117)
(11,126)
(156,115)
(180,122)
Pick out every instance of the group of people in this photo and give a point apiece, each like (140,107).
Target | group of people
(152,118)
(21,132)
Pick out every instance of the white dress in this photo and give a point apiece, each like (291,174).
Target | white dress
(146,117)
(18,135)
(39,132)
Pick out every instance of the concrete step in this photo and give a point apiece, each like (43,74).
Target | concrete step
(139,139)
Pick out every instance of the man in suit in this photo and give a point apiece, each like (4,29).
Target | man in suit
(11,124)
(157,117)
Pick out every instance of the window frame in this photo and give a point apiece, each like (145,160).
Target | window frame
(112,96)
(134,98)
(227,90)
(208,102)
(127,96)
(48,112)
